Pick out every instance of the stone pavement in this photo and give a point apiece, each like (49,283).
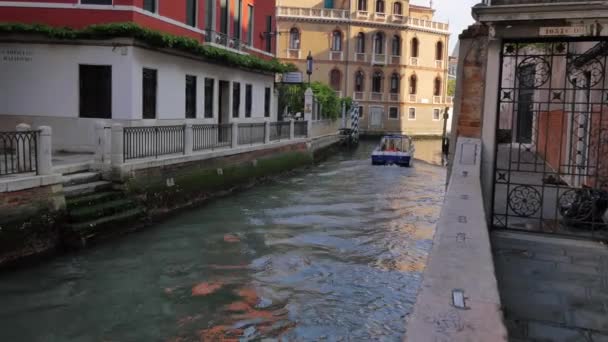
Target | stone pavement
(551,288)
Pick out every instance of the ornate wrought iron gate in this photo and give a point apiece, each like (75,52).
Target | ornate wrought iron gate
(551,172)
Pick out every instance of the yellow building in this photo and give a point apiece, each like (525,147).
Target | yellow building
(389,56)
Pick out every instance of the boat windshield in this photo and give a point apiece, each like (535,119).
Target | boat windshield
(395,144)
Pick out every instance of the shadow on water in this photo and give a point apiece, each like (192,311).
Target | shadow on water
(333,253)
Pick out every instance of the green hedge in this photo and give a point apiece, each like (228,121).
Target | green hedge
(152,38)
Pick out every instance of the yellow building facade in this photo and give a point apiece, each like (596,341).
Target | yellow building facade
(389,56)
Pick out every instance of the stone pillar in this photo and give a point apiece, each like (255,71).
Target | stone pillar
(23,148)
(292,129)
(117,157)
(266,132)
(308,103)
(235,134)
(188,139)
(102,142)
(45,151)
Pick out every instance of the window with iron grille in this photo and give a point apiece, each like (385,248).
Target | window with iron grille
(191,12)
(95,91)
(248,100)
(209,85)
(236,99)
(150,5)
(190,97)
(150,86)
(267,102)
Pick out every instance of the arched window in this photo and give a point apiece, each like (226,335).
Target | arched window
(362,5)
(336,41)
(294,39)
(361,42)
(413,84)
(335,79)
(396,46)
(397,9)
(359,81)
(439,51)
(380,6)
(415,47)
(395,83)
(379,43)
(377,82)
(437,87)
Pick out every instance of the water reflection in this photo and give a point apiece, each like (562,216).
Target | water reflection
(334,253)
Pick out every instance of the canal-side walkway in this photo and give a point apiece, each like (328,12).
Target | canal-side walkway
(552,289)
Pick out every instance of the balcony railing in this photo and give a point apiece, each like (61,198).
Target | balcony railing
(439,64)
(223,39)
(395,59)
(378,59)
(393,97)
(336,55)
(338,93)
(449,100)
(414,61)
(338,14)
(413,98)
(376,96)
(436,99)
(360,57)
(293,53)
(359,96)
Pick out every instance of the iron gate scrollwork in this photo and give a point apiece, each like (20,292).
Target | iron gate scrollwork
(551,171)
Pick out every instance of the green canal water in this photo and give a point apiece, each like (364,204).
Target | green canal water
(332,253)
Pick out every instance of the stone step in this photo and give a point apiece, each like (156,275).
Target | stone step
(93,212)
(81,178)
(92,199)
(72,168)
(85,189)
(88,229)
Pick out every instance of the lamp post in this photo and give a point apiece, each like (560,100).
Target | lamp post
(309,66)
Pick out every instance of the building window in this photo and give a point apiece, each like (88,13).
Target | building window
(294,39)
(377,82)
(379,43)
(267,91)
(393,113)
(362,5)
(248,100)
(361,42)
(236,99)
(395,83)
(396,46)
(413,84)
(439,51)
(360,111)
(250,25)
(224,16)
(359,81)
(95,91)
(150,5)
(237,19)
(191,12)
(209,16)
(415,46)
(336,41)
(335,79)
(397,8)
(411,114)
(380,6)
(437,87)
(329,3)
(209,85)
(268,31)
(436,114)
(190,97)
(96,2)
(150,86)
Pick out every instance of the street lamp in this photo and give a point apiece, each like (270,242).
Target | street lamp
(309,65)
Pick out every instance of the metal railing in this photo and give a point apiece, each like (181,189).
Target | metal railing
(153,141)
(18,152)
(300,129)
(211,137)
(223,39)
(251,133)
(279,130)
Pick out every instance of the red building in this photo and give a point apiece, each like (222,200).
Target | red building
(243,25)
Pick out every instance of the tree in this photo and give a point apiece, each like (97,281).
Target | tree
(451,87)
(291,99)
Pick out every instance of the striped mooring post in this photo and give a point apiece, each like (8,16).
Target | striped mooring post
(354,122)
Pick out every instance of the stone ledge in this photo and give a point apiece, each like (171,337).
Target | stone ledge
(460,260)
(17,183)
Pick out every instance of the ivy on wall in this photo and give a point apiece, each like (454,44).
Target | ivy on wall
(153,38)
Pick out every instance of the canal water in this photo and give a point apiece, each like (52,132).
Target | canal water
(331,253)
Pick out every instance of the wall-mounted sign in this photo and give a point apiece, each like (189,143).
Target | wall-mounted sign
(293,78)
(570,31)
(15,55)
